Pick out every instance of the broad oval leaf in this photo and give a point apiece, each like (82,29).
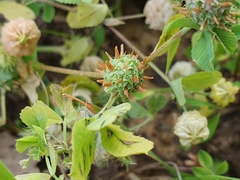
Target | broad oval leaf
(121,143)
(35,176)
(222,168)
(13,10)
(227,39)
(26,142)
(87,15)
(201,80)
(109,116)
(202,50)
(205,159)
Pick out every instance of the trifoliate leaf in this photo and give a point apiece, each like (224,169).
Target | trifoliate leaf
(35,176)
(83,146)
(137,111)
(109,116)
(73,1)
(87,15)
(227,39)
(201,80)
(13,10)
(121,143)
(154,103)
(39,115)
(202,50)
(176,86)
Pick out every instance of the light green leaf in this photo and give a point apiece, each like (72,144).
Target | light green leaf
(236,30)
(212,125)
(83,145)
(87,15)
(121,143)
(13,10)
(64,103)
(181,22)
(202,50)
(227,39)
(53,165)
(5,172)
(39,115)
(176,86)
(200,171)
(154,103)
(35,176)
(73,1)
(79,49)
(109,116)
(26,142)
(222,168)
(48,13)
(39,132)
(201,80)
(198,103)
(205,160)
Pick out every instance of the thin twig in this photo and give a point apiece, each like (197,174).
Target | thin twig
(57,5)
(60,70)
(134,16)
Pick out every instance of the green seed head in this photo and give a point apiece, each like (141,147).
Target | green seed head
(123,75)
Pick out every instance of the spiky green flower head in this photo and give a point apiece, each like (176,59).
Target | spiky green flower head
(212,13)
(123,74)
(6,61)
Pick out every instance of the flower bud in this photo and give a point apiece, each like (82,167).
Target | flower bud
(20,37)
(191,128)
(223,92)
(181,69)
(158,12)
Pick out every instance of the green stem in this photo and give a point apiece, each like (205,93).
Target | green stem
(65,132)
(70,71)
(137,127)
(159,72)
(52,49)
(3,108)
(110,102)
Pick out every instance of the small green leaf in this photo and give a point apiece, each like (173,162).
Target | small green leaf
(181,22)
(137,111)
(236,30)
(99,36)
(200,171)
(83,146)
(5,172)
(109,116)
(205,159)
(202,50)
(227,39)
(176,86)
(39,115)
(13,10)
(35,176)
(198,103)
(121,143)
(73,1)
(34,6)
(26,142)
(201,80)
(48,13)
(222,168)
(212,125)
(87,15)
(154,103)
(62,102)
(80,48)
(53,158)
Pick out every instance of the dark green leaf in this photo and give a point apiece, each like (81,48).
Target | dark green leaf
(137,111)
(236,30)
(222,168)
(202,50)
(176,86)
(48,13)
(212,125)
(227,39)
(201,80)
(5,172)
(154,103)
(99,36)
(35,7)
(205,159)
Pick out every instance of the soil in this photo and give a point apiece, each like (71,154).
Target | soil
(225,144)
